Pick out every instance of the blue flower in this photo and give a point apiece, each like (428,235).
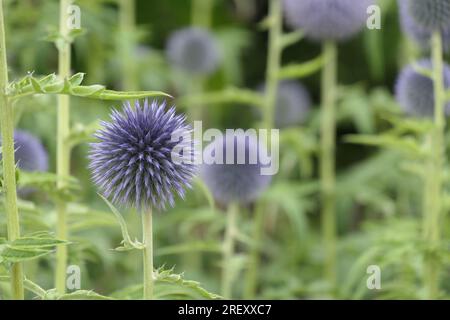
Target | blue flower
(418,32)
(132,163)
(430,14)
(327,19)
(292,105)
(30,154)
(194,50)
(415,92)
(238,181)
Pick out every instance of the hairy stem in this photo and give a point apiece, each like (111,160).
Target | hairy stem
(327,159)
(147,235)
(62,147)
(228,251)
(9,169)
(437,162)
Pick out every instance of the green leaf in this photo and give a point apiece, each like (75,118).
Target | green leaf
(301,70)
(83,295)
(72,86)
(14,255)
(127,243)
(228,95)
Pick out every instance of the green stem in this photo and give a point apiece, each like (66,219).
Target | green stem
(128,43)
(327,159)
(273,62)
(202,13)
(228,250)
(254,259)
(63,149)
(9,168)
(147,235)
(434,209)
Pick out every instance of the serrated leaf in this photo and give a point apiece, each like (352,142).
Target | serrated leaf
(15,255)
(36,243)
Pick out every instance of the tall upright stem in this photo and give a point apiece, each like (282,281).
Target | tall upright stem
(9,171)
(273,62)
(228,250)
(62,147)
(327,159)
(201,13)
(147,235)
(127,12)
(254,259)
(437,160)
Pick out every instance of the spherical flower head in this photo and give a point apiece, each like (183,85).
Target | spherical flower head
(416,31)
(133,161)
(292,105)
(430,14)
(238,178)
(30,154)
(415,92)
(194,50)
(327,19)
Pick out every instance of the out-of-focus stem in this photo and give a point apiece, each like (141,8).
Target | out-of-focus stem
(127,12)
(228,251)
(254,259)
(273,62)
(9,169)
(147,235)
(202,13)
(437,161)
(327,159)
(62,147)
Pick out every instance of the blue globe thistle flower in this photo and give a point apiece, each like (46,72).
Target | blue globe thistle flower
(430,14)
(194,50)
(239,181)
(132,163)
(30,154)
(415,92)
(327,19)
(292,105)
(416,31)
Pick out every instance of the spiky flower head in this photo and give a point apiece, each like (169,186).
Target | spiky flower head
(241,179)
(327,19)
(133,161)
(194,50)
(415,92)
(418,32)
(30,154)
(430,14)
(292,105)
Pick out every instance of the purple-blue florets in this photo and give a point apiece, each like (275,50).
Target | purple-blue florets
(415,92)
(132,161)
(240,182)
(327,19)
(194,50)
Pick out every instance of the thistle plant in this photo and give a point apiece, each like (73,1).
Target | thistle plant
(415,91)
(292,105)
(434,17)
(419,32)
(194,51)
(328,22)
(233,183)
(132,164)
